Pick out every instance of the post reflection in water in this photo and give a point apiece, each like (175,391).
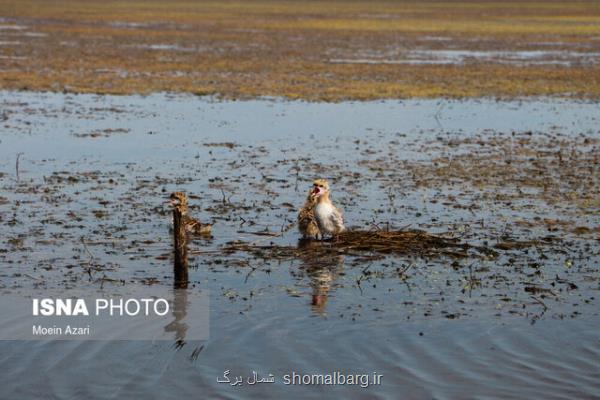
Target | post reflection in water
(179,312)
(322,268)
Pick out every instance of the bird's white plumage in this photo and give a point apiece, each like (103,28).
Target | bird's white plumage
(329,218)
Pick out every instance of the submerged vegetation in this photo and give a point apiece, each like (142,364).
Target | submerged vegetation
(326,50)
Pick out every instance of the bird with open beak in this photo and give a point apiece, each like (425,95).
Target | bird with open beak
(329,219)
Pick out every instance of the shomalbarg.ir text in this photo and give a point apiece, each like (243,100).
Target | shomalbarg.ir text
(333,378)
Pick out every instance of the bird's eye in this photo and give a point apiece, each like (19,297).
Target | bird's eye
(320,186)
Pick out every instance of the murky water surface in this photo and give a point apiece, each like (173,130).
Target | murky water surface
(84,206)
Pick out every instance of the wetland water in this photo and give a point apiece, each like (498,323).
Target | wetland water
(87,208)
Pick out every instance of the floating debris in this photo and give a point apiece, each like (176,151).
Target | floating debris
(352,242)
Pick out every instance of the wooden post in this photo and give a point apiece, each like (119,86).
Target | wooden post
(180,266)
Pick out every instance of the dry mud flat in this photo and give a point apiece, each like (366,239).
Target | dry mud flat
(85,206)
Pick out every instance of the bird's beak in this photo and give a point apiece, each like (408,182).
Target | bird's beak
(316,191)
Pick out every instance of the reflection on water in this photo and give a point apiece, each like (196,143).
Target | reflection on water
(179,311)
(322,269)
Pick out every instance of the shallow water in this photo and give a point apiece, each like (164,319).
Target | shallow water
(457,57)
(95,172)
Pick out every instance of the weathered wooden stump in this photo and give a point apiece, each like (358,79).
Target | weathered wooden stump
(180,264)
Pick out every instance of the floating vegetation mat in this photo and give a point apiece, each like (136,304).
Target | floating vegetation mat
(355,242)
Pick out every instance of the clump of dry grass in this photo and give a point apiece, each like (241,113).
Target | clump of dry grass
(358,242)
(404,242)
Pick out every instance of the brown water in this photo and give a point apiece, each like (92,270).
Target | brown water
(97,170)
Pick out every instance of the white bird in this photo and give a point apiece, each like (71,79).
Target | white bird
(329,218)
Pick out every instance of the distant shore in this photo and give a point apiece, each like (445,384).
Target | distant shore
(331,50)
